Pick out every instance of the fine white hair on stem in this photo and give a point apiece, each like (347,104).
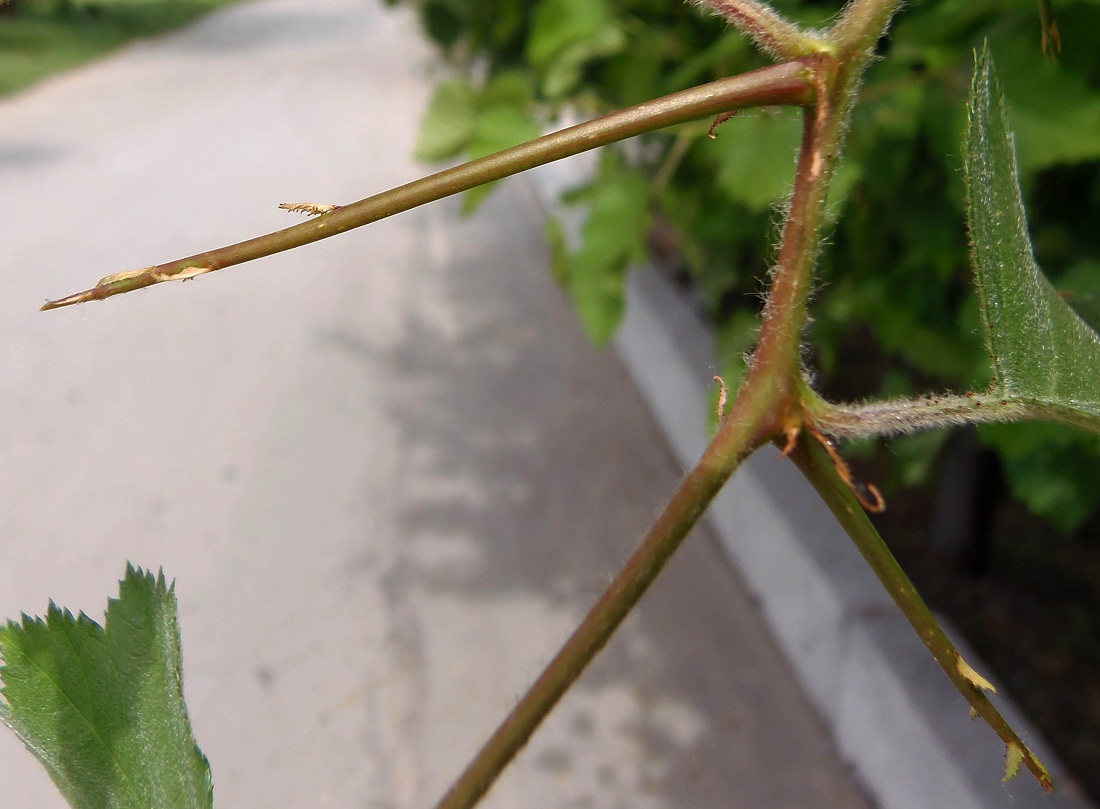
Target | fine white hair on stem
(771,33)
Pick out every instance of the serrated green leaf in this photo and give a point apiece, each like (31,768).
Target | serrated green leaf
(449,123)
(102,708)
(1043,353)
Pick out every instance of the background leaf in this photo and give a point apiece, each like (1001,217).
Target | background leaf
(1042,351)
(449,123)
(757,154)
(567,34)
(103,709)
(613,237)
(501,121)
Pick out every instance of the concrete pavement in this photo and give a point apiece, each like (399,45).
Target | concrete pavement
(387,471)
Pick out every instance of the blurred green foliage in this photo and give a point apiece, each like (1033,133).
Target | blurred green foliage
(39,38)
(896,312)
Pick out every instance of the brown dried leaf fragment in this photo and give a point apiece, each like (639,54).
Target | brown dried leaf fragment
(972,677)
(68,300)
(1014,756)
(723,394)
(126,275)
(867,494)
(127,281)
(721,119)
(181,275)
(308,208)
(792,440)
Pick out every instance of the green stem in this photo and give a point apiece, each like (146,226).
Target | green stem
(861,24)
(675,156)
(752,420)
(689,502)
(775,367)
(910,415)
(837,69)
(772,33)
(786,84)
(896,416)
(819,469)
(765,406)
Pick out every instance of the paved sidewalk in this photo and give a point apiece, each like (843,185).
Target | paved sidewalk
(387,471)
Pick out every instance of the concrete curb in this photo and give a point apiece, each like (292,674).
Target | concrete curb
(896,718)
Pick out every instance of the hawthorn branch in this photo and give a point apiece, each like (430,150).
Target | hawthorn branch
(815,464)
(741,435)
(749,423)
(861,24)
(787,84)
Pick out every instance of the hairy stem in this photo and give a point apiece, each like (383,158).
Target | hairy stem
(689,502)
(861,24)
(910,415)
(776,362)
(897,416)
(767,403)
(751,421)
(786,84)
(772,33)
(837,71)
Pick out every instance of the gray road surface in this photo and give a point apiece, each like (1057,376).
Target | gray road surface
(386,471)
